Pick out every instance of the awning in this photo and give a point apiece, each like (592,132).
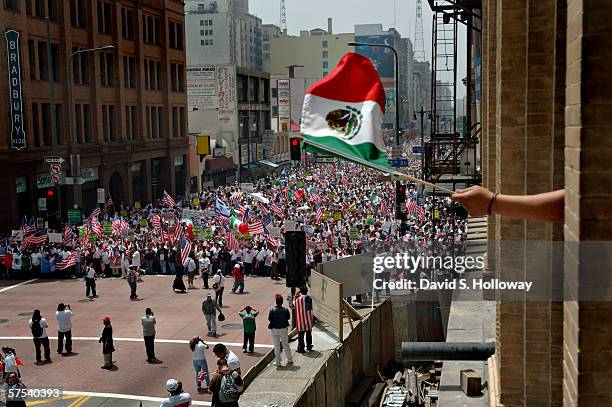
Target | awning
(269,163)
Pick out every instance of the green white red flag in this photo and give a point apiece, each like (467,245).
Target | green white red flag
(343,113)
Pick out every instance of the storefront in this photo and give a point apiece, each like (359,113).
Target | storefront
(218,171)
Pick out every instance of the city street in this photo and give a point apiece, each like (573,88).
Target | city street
(179,317)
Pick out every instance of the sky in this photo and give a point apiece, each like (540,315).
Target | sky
(401,14)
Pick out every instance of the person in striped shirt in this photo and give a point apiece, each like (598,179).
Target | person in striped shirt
(302,304)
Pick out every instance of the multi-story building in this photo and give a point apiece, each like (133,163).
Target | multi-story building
(232,106)
(318,51)
(129,119)
(222,32)
(270,31)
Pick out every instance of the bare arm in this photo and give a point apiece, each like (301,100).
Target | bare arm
(548,206)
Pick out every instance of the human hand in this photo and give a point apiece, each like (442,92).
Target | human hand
(475,199)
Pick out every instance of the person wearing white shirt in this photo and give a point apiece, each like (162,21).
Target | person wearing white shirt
(190,267)
(218,281)
(39,325)
(205,268)
(177,398)
(198,346)
(136,259)
(90,281)
(36,259)
(64,327)
(247,257)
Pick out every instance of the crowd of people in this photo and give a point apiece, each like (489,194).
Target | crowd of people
(221,233)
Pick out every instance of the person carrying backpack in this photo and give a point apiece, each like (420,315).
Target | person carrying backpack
(303,318)
(225,386)
(38,325)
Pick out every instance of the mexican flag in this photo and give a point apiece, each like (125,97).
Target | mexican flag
(343,113)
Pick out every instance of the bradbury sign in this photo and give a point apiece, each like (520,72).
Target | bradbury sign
(18,139)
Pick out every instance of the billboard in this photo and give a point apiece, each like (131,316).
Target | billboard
(382,58)
(202,88)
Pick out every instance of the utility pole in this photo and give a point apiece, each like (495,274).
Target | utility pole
(53,113)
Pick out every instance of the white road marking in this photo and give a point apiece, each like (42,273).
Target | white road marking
(17,285)
(129,397)
(174,341)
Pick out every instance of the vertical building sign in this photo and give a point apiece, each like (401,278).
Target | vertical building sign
(226,94)
(284,105)
(18,139)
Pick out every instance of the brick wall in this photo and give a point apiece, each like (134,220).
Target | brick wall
(588,184)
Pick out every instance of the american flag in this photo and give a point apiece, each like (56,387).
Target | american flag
(165,236)
(263,208)
(37,238)
(411,206)
(156,221)
(315,198)
(109,203)
(298,198)
(383,206)
(67,262)
(96,226)
(236,196)
(95,213)
(67,235)
(277,211)
(178,233)
(319,214)
(421,213)
(232,242)
(256,227)
(185,248)
(28,227)
(273,241)
(222,220)
(168,201)
(116,226)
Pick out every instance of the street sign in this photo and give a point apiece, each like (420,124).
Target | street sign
(325,160)
(418,149)
(397,163)
(54,160)
(42,204)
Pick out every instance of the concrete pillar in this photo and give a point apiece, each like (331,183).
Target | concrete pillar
(588,197)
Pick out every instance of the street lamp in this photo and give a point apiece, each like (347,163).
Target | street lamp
(397,105)
(75,159)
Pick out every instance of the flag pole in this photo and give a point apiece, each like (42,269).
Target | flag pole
(375,165)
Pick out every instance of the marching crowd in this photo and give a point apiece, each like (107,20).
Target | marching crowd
(218,233)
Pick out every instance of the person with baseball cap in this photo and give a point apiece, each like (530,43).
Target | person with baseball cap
(107,343)
(177,398)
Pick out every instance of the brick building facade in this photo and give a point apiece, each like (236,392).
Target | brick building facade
(130,103)
(546,125)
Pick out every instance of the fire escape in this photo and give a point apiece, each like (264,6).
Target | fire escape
(451,155)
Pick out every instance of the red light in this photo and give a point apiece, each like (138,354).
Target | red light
(294,142)
(50,193)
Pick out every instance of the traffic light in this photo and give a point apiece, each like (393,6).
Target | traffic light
(296,153)
(50,193)
(52,204)
(400,206)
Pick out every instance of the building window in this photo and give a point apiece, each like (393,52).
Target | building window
(325,73)
(266,47)
(325,54)
(87,130)
(127,23)
(178,121)
(80,67)
(109,123)
(325,64)
(32,59)
(106,69)
(201,23)
(177,77)
(105,23)
(39,8)
(151,29)
(152,74)
(55,65)
(11,5)
(202,42)
(83,123)
(42,61)
(130,122)
(36,125)
(275,111)
(324,44)
(46,124)
(175,33)
(129,72)
(78,13)
(267,56)
(52,9)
